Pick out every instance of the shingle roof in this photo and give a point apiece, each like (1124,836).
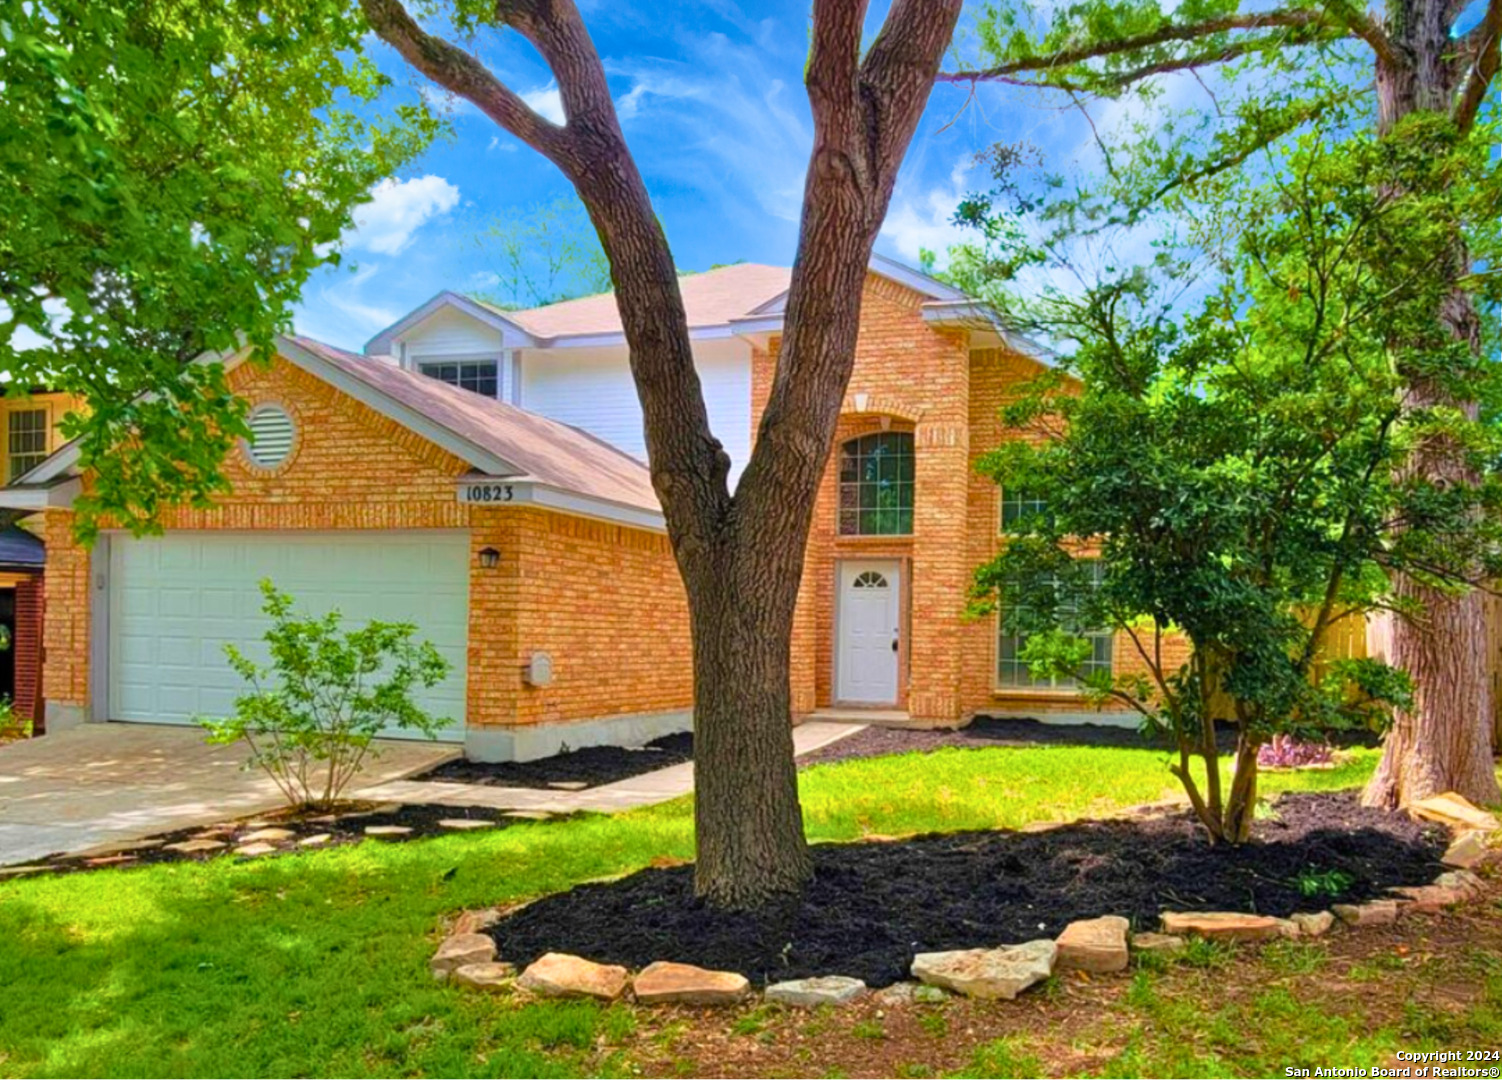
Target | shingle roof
(21,548)
(547,451)
(712,298)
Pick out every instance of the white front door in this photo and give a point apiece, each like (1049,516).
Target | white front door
(870,623)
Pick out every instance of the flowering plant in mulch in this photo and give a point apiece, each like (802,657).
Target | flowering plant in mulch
(1287,752)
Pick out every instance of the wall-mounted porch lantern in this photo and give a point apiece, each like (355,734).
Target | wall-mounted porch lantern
(490,558)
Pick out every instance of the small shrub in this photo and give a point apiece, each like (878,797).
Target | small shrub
(312,714)
(1330,883)
(11,725)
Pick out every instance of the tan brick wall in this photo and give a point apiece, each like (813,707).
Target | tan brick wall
(607,604)
(995,378)
(912,378)
(605,600)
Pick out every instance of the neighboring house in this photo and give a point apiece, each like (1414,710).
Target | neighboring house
(29,422)
(479,473)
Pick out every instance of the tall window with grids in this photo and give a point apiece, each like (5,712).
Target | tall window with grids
(479,376)
(26,441)
(876,485)
(1011,671)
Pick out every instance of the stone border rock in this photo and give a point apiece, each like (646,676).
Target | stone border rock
(467,955)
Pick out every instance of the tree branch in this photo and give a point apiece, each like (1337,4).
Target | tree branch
(1340,19)
(689,466)
(463,74)
(1163,35)
(1486,35)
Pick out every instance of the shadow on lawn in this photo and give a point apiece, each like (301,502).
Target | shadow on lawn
(873,905)
(306,965)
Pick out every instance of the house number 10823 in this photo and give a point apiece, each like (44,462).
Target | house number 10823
(487,493)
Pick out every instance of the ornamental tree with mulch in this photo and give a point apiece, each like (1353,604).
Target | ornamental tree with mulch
(1244,467)
(1285,65)
(741,553)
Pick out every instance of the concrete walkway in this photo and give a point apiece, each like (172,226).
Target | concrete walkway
(101,784)
(644,790)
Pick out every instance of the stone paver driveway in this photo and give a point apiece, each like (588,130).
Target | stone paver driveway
(103,783)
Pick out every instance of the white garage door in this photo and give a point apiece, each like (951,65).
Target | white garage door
(175,600)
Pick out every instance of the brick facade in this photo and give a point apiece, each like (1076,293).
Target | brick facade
(603,599)
(911,376)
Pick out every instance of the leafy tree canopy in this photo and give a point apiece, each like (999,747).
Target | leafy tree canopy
(171,171)
(1229,435)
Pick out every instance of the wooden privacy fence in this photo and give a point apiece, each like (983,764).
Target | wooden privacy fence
(1358,636)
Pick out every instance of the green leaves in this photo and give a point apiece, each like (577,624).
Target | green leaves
(1241,463)
(325,694)
(171,172)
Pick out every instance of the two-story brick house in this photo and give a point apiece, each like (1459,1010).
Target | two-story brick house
(478,471)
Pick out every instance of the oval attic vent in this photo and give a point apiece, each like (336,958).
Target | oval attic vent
(271,436)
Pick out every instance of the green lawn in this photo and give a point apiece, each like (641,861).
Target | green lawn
(316,964)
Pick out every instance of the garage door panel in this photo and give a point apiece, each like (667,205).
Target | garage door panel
(176,600)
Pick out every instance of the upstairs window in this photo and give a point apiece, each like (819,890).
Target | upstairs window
(477,376)
(1018,505)
(1011,671)
(876,485)
(26,441)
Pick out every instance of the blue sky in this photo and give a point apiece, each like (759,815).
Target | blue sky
(713,106)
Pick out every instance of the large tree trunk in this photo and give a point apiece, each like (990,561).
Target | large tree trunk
(748,848)
(1444,743)
(741,555)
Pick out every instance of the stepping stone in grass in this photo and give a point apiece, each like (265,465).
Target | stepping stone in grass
(465,824)
(387,830)
(251,851)
(317,840)
(1430,899)
(1222,925)
(562,975)
(1372,913)
(1468,849)
(1098,945)
(822,990)
(110,860)
(528,815)
(666,983)
(492,975)
(1162,944)
(268,835)
(903,993)
(1313,924)
(988,973)
(196,847)
(459,950)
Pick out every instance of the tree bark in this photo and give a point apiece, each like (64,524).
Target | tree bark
(741,555)
(1444,743)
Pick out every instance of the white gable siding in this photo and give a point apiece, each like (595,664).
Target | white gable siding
(452,333)
(592,389)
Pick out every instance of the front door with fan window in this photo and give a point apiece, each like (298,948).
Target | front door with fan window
(869,626)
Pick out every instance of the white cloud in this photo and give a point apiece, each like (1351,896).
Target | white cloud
(484,279)
(496,144)
(397,209)
(547,103)
(923,219)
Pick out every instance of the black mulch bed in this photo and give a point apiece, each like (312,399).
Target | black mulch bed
(346,826)
(590,766)
(989,732)
(873,905)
